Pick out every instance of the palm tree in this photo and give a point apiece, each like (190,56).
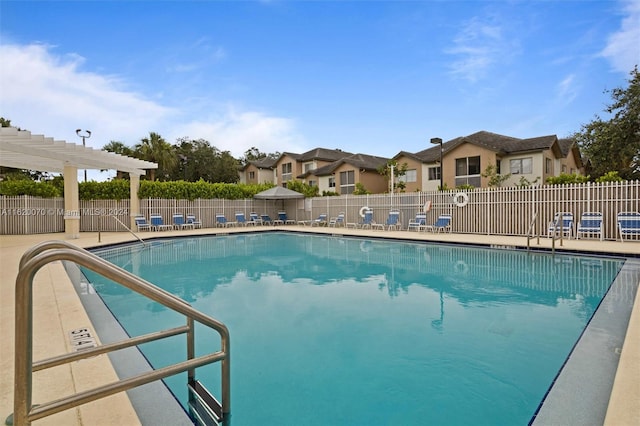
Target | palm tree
(156,149)
(118,147)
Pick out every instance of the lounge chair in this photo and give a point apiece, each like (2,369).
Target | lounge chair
(255,218)
(443,223)
(193,221)
(282,219)
(179,222)
(222,222)
(392,222)
(629,224)
(142,224)
(266,220)
(337,221)
(590,225)
(367,219)
(320,221)
(158,223)
(562,223)
(242,221)
(418,223)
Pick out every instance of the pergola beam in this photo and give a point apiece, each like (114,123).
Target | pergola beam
(22,150)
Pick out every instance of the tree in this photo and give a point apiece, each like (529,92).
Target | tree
(495,179)
(614,145)
(254,154)
(398,171)
(156,149)
(303,188)
(226,168)
(196,160)
(119,148)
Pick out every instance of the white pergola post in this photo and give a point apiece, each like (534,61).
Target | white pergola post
(71,202)
(134,201)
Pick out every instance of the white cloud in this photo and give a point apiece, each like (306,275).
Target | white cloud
(478,46)
(50,94)
(237,132)
(623,46)
(566,91)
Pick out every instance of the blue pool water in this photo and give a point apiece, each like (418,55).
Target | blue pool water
(329,330)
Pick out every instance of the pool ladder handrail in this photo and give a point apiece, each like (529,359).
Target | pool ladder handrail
(47,252)
(127,228)
(529,236)
(554,236)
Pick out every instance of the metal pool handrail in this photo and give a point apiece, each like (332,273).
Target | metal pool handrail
(44,253)
(128,229)
(531,225)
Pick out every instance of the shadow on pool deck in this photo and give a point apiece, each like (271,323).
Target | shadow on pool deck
(57,310)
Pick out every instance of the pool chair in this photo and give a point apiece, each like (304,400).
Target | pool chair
(337,221)
(392,222)
(191,218)
(222,222)
(242,221)
(562,224)
(320,221)
(255,218)
(418,223)
(367,219)
(142,224)
(158,224)
(590,225)
(179,222)
(283,220)
(443,223)
(629,225)
(266,220)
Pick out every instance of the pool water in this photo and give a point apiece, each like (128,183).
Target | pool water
(331,330)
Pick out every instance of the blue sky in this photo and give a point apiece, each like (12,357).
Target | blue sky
(375,77)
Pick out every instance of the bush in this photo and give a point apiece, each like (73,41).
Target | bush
(29,187)
(564,179)
(609,177)
(119,189)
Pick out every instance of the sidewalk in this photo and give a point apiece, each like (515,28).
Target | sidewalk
(58,310)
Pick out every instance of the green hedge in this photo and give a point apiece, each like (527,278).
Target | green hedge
(118,189)
(14,188)
(201,189)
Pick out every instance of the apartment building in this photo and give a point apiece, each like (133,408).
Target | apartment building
(464,160)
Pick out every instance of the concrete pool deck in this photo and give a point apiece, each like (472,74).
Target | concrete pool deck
(57,310)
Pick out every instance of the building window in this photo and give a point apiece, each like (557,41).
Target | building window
(564,168)
(434,173)
(347,182)
(468,171)
(409,176)
(308,166)
(311,183)
(548,166)
(252,175)
(286,172)
(521,166)
(332,182)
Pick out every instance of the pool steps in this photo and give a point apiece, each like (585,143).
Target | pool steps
(44,253)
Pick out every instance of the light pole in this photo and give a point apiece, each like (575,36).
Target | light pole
(84,136)
(438,141)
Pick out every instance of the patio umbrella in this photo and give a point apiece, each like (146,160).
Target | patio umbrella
(278,193)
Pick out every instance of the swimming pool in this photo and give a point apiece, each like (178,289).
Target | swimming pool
(350,331)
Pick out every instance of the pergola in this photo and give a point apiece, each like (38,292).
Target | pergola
(20,149)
